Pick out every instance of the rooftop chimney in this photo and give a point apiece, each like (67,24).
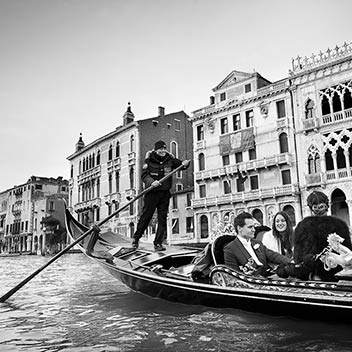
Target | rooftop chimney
(161,111)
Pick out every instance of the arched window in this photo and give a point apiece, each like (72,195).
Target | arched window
(90,161)
(309,106)
(131,177)
(110,183)
(201,162)
(283,143)
(98,188)
(117,181)
(290,211)
(313,160)
(174,149)
(204,227)
(117,149)
(313,164)
(340,158)
(328,160)
(339,206)
(132,144)
(258,215)
(347,99)
(98,157)
(336,102)
(110,153)
(80,167)
(93,161)
(325,106)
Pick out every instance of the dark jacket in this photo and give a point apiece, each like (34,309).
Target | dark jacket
(156,167)
(310,238)
(236,255)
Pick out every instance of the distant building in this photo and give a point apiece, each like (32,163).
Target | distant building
(106,174)
(3,211)
(244,153)
(26,206)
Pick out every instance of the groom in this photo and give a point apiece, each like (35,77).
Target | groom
(245,252)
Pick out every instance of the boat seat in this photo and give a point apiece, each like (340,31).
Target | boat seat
(217,248)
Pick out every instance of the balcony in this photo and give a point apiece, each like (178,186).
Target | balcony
(281,123)
(337,117)
(200,145)
(309,124)
(242,197)
(87,204)
(89,174)
(132,158)
(276,160)
(113,165)
(315,179)
(339,174)
(130,193)
(113,197)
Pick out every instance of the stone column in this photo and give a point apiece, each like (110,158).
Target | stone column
(348,165)
(334,159)
(349,205)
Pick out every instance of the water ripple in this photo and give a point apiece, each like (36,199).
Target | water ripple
(75,306)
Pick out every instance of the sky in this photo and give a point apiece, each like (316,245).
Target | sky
(71,66)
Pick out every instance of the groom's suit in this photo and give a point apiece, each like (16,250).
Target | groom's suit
(236,255)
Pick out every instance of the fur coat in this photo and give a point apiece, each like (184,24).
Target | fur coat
(310,238)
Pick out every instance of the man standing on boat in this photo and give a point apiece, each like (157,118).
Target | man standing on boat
(158,163)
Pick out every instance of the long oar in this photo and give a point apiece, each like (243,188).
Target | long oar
(58,255)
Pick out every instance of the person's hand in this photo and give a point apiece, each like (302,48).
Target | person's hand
(156,183)
(186,163)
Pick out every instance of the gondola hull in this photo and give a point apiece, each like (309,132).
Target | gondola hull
(157,275)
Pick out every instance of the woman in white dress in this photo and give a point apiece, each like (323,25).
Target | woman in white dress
(280,238)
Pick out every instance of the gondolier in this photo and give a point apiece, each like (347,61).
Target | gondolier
(158,163)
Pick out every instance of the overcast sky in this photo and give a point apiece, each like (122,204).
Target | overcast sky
(71,66)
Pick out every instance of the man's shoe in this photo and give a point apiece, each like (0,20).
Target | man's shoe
(135,244)
(158,247)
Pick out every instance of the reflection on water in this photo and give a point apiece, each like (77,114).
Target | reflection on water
(73,305)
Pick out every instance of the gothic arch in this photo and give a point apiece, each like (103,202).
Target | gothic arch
(339,205)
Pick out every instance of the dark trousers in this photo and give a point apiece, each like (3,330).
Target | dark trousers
(154,200)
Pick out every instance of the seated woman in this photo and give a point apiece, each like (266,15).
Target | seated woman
(246,254)
(280,238)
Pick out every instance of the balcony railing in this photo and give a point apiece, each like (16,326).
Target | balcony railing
(200,145)
(341,173)
(284,158)
(92,173)
(263,193)
(336,117)
(114,164)
(87,204)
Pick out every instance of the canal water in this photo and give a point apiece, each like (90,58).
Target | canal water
(74,305)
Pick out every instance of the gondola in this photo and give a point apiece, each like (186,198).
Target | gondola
(168,275)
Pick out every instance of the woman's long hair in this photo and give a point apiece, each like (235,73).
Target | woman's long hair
(285,237)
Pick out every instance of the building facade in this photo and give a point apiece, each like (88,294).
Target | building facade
(262,147)
(322,100)
(106,174)
(244,153)
(26,207)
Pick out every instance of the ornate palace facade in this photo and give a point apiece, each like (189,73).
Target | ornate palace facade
(262,147)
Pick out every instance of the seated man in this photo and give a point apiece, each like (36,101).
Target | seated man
(249,255)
